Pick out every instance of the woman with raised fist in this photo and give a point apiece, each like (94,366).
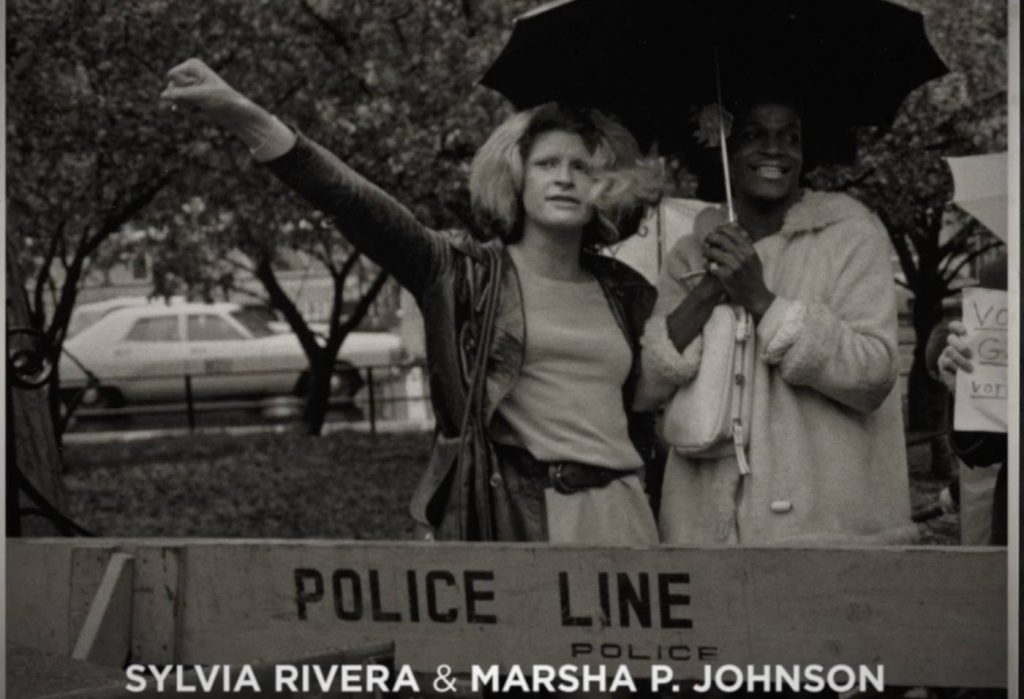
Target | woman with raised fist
(532,339)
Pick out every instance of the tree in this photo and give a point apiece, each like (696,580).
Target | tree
(391,85)
(387,85)
(85,150)
(218,250)
(32,459)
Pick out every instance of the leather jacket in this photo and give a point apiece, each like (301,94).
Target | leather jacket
(452,275)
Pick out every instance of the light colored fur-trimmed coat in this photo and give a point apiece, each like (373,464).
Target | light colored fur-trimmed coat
(827,452)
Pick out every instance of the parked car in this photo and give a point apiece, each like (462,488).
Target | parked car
(142,352)
(86,314)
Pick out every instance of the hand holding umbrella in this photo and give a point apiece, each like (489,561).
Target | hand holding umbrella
(734,261)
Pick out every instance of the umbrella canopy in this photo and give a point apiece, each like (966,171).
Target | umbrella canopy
(848,62)
(979,188)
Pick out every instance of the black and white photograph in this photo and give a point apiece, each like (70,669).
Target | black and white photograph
(510,347)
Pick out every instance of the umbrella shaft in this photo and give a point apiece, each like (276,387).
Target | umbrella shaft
(721,140)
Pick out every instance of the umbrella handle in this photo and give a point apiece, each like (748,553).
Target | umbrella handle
(725,167)
(721,140)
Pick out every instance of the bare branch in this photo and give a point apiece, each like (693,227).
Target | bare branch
(364,304)
(905,255)
(63,247)
(336,333)
(336,33)
(957,243)
(110,223)
(281,301)
(328,259)
(52,287)
(324,258)
(43,273)
(950,257)
(967,260)
(346,268)
(239,265)
(117,218)
(335,336)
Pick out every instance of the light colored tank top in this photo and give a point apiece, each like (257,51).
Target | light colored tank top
(567,403)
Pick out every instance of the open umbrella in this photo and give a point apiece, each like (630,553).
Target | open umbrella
(979,188)
(650,62)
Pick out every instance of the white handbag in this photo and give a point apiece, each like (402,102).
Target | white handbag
(710,416)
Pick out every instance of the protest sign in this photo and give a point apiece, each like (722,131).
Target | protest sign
(981,395)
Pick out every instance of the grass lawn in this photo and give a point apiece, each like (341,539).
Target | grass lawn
(344,485)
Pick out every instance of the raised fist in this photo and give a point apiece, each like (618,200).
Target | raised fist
(195,85)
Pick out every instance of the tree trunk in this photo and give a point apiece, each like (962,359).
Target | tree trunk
(32,451)
(926,397)
(318,396)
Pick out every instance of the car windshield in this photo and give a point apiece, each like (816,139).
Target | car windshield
(256,320)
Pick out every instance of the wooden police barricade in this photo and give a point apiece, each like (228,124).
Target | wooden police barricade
(932,616)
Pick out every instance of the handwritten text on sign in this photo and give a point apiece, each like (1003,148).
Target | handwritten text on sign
(981,395)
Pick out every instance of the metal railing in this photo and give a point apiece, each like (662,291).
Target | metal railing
(371,396)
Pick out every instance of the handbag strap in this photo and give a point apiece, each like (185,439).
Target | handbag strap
(740,381)
(744,331)
(473,411)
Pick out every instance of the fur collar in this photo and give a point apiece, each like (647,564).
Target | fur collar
(811,213)
(817,210)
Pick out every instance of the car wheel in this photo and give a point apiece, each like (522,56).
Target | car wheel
(346,380)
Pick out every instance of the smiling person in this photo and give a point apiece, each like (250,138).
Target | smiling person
(532,340)
(826,454)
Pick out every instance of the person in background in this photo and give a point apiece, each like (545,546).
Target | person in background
(532,339)
(982,500)
(826,447)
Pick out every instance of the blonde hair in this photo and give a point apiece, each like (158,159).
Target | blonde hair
(623,180)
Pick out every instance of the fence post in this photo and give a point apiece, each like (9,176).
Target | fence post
(373,401)
(189,408)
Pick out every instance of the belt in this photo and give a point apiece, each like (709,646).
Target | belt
(566,477)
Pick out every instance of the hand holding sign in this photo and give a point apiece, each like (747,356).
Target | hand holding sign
(956,355)
(981,391)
